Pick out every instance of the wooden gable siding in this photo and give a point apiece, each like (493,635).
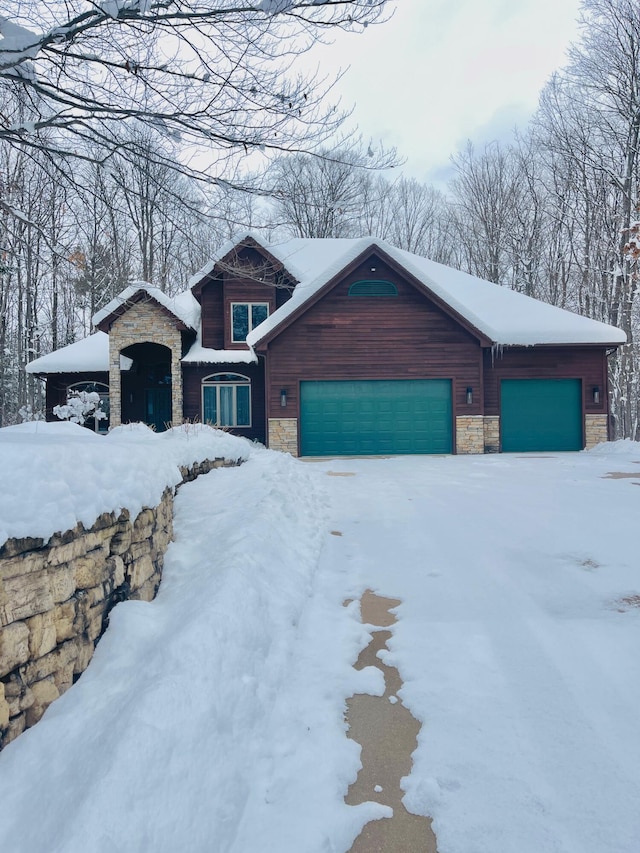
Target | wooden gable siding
(397,337)
(230,285)
(569,362)
(212,314)
(192,376)
(57,384)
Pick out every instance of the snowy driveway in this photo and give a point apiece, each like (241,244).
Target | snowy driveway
(212,719)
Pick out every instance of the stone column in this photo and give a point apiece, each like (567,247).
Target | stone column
(596,430)
(469,434)
(115,383)
(283,435)
(491,434)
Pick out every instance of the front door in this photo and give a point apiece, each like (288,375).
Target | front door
(157,407)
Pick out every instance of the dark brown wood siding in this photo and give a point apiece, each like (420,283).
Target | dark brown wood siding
(211,302)
(192,376)
(57,384)
(397,337)
(570,362)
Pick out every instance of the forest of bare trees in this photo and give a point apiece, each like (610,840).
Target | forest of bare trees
(549,214)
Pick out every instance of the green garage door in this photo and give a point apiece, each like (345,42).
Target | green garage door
(541,414)
(375,417)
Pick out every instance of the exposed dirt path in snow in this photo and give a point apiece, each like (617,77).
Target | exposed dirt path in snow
(387,733)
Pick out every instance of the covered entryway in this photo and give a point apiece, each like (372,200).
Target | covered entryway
(371,417)
(541,414)
(146,385)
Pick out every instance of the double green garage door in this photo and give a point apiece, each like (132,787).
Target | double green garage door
(356,418)
(375,417)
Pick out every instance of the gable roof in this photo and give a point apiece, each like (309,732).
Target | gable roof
(183,308)
(499,314)
(228,250)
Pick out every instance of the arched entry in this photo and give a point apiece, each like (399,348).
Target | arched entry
(146,384)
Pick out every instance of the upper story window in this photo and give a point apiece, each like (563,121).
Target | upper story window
(245,316)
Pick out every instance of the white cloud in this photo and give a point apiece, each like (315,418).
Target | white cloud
(436,75)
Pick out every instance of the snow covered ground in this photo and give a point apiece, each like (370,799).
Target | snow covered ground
(212,718)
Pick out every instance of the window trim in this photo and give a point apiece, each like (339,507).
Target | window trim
(239,380)
(249,320)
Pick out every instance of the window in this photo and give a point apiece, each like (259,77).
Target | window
(373,288)
(245,316)
(226,400)
(100,425)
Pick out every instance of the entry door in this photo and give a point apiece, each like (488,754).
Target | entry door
(157,408)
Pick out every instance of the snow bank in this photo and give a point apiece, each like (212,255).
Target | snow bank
(211,719)
(57,474)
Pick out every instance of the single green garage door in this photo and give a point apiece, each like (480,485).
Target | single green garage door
(541,414)
(375,417)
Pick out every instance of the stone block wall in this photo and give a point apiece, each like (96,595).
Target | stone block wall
(469,434)
(596,430)
(491,434)
(283,435)
(55,599)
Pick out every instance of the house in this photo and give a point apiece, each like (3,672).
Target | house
(345,347)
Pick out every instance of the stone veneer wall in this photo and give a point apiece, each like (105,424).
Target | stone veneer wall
(491,433)
(470,434)
(55,599)
(596,430)
(283,435)
(144,322)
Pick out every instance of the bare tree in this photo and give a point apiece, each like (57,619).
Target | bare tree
(216,73)
(590,122)
(318,196)
(486,196)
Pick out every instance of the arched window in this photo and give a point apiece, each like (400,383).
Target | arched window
(373,288)
(100,425)
(226,400)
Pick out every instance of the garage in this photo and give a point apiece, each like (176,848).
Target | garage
(541,414)
(372,417)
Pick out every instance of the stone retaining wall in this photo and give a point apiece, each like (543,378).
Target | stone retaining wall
(55,599)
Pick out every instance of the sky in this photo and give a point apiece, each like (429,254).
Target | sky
(440,72)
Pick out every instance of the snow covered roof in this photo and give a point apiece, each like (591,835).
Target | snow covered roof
(204,355)
(500,314)
(89,354)
(226,249)
(183,307)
